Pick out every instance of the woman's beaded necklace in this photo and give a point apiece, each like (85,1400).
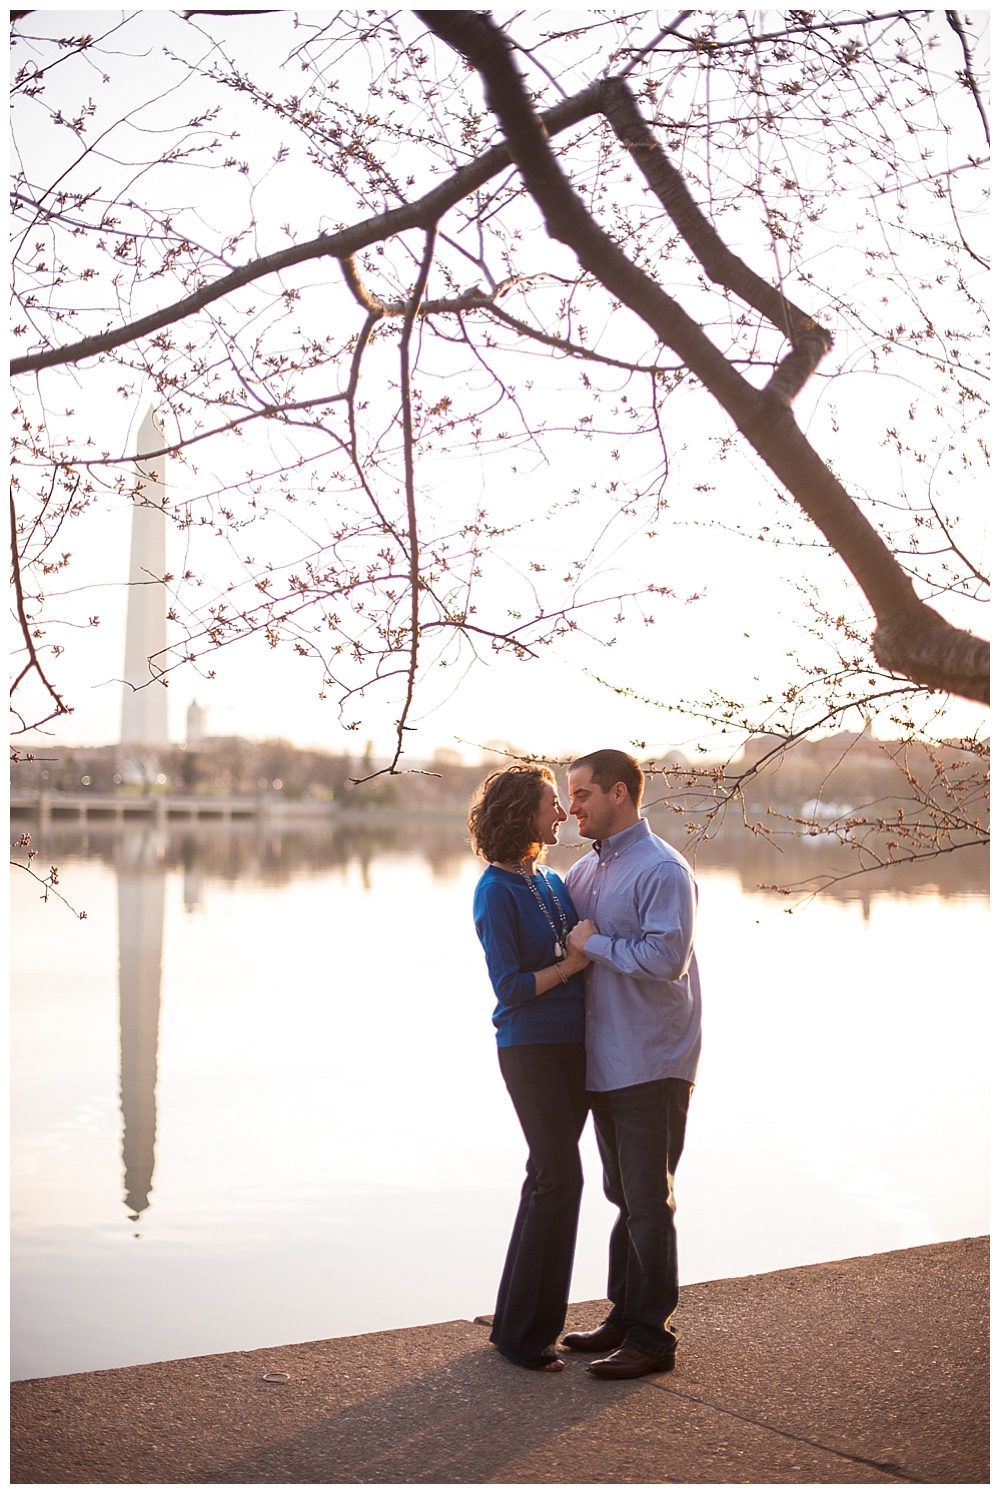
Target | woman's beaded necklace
(560,933)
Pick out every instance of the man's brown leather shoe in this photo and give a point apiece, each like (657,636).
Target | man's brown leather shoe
(627,1363)
(598,1341)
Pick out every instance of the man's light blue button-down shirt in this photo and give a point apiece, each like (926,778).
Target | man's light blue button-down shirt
(643,997)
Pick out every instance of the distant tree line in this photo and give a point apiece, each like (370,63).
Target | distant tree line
(848,768)
(867,803)
(234,765)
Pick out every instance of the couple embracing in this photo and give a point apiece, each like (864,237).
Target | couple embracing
(598,1008)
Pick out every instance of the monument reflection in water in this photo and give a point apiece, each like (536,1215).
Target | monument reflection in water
(141,887)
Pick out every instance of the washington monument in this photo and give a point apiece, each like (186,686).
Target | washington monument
(144,711)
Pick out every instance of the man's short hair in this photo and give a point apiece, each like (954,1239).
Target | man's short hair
(608,767)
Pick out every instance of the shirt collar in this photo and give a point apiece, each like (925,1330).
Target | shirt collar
(615,844)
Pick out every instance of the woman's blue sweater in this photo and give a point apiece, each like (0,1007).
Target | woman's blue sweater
(518,941)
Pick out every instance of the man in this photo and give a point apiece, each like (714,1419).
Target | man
(636,898)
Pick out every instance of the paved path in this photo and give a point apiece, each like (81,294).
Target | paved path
(861,1371)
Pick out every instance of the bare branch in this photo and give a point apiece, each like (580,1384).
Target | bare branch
(50,883)
(420,214)
(911,638)
(413,537)
(34,662)
(665,31)
(810,342)
(967,75)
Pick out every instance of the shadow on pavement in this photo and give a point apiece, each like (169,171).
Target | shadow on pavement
(462,1423)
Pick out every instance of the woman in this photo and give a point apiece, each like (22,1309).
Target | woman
(523,915)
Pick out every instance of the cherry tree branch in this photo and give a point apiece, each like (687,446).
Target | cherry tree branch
(967,76)
(910,638)
(50,883)
(810,342)
(422,213)
(34,662)
(413,536)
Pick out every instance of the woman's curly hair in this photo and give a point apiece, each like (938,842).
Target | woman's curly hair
(504,809)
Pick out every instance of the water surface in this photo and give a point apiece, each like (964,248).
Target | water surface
(256,1097)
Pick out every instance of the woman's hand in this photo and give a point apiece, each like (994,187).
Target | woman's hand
(574,962)
(558,974)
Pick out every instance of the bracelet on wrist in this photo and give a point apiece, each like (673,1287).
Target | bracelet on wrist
(563,978)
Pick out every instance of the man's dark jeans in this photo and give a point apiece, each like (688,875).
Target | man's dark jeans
(640,1134)
(546,1083)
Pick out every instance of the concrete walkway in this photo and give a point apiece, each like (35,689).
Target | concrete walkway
(871,1370)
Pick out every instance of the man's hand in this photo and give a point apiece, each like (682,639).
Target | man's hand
(580,933)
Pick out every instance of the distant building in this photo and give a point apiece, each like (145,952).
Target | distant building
(195,724)
(144,702)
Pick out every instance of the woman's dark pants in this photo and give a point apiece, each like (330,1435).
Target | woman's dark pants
(546,1083)
(640,1136)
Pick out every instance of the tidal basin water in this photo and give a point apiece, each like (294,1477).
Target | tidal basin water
(256,1096)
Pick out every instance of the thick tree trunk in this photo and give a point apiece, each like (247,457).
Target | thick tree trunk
(911,638)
